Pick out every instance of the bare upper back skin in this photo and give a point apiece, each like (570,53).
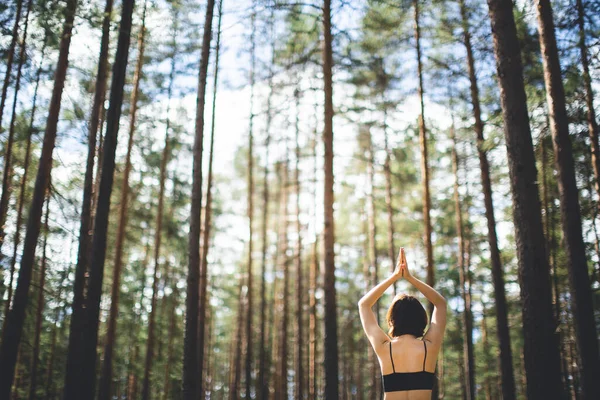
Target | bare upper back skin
(408,353)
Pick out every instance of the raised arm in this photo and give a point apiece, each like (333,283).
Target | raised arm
(376,335)
(437,326)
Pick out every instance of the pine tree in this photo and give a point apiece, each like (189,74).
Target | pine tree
(497,269)
(467,317)
(7,173)
(85,227)
(9,60)
(13,329)
(330,317)
(191,388)
(40,309)
(542,361)
(87,378)
(263,378)
(250,209)
(582,305)
(204,308)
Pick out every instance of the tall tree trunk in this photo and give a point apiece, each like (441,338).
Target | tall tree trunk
(262,382)
(11,334)
(368,282)
(424,155)
(171,339)
(7,173)
(236,346)
(282,334)
(105,386)
(468,361)
(23,184)
(312,322)
(388,195)
(275,310)
(40,308)
(497,269)
(487,385)
(549,212)
(581,295)
(85,226)
(330,317)
(250,210)
(542,360)
(158,232)
(313,276)
(574,368)
(191,386)
(371,216)
(207,367)
(208,208)
(371,252)
(299,373)
(94,293)
(9,60)
(49,384)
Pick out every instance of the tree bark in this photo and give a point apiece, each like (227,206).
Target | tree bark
(26,162)
(487,386)
(208,208)
(104,392)
(581,295)
(191,386)
(368,283)
(373,265)
(172,326)
(85,226)
(9,60)
(313,277)
(7,173)
(507,375)
(542,359)
(250,210)
(330,317)
(262,382)
(236,346)
(90,327)
(299,373)
(282,300)
(468,360)
(388,196)
(424,155)
(40,307)
(11,334)
(371,216)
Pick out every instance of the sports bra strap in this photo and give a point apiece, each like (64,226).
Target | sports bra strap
(392,358)
(425,358)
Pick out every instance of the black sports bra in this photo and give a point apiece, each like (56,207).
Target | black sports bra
(400,381)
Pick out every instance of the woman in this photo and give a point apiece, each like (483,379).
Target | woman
(408,355)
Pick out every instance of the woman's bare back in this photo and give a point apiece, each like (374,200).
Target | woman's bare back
(408,355)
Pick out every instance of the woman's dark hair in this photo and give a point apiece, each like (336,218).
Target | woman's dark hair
(406,316)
